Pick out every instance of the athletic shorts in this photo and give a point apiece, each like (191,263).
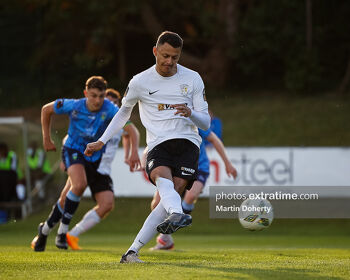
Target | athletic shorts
(202,177)
(180,155)
(97,182)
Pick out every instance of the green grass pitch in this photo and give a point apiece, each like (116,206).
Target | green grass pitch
(209,249)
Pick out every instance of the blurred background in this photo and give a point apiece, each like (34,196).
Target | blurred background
(277,73)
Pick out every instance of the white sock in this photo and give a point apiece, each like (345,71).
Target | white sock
(149,228)
(90,219)
(63,228)
(46,229)
(169,197)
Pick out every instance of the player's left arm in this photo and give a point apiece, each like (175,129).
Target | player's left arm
(199,114)
(220,148)
(133,159)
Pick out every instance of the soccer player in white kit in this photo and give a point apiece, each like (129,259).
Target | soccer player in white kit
(172,105)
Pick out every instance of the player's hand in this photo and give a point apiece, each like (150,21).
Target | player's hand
(231,171)
(93,147)
(182,109)
(134,162)
(49,145)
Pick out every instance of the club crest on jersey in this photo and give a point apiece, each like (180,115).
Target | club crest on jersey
(103,116)
(184,89)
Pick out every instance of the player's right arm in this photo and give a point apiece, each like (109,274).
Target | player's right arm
(46,113)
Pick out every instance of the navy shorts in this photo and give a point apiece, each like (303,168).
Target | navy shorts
(202,177)
(97,182)
(180,155)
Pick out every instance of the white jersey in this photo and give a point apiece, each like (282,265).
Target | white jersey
(108,156)
(155,95)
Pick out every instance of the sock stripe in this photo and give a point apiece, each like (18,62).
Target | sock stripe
(73,196)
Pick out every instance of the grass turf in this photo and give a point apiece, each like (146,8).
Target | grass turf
(210,249)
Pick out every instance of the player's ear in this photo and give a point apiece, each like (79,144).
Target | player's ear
(155,51)
(85,93)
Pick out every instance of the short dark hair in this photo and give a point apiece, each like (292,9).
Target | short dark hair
(114,94)
(96,82)
(172,38)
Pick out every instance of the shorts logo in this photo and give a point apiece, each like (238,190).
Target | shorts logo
(150,163)
(184,89)
(186,171)
(74,156)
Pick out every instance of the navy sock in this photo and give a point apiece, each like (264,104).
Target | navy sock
(70,206)
(55,215)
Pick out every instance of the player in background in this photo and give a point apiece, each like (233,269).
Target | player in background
(165,241)
(89,117)
(105,202)
(172,105)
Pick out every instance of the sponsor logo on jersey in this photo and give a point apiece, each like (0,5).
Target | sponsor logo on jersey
(162,107)
(184,89)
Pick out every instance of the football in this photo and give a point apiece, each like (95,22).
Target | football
(255,214)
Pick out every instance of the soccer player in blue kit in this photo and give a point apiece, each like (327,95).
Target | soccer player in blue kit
(89,118)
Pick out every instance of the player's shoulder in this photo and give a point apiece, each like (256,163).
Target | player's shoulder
(143,76)
(182,70)
(67,102)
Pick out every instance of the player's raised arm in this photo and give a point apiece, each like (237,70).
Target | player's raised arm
(46,113)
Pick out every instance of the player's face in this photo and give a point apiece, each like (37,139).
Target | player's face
(94,98)
(166,59)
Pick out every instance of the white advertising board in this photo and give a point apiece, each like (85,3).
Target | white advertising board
(256,166)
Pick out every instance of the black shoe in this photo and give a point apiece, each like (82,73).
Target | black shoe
(39,241)
(130,257)
(61,241)
(174,222)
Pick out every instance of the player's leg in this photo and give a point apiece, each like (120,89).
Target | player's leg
(164,241)
(169,197)
(184,165)
(105,204)
(176,220)
(147,232)
(39,242)
(192,194)
(78,180)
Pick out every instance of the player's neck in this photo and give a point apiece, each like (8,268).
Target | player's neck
(166,74)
